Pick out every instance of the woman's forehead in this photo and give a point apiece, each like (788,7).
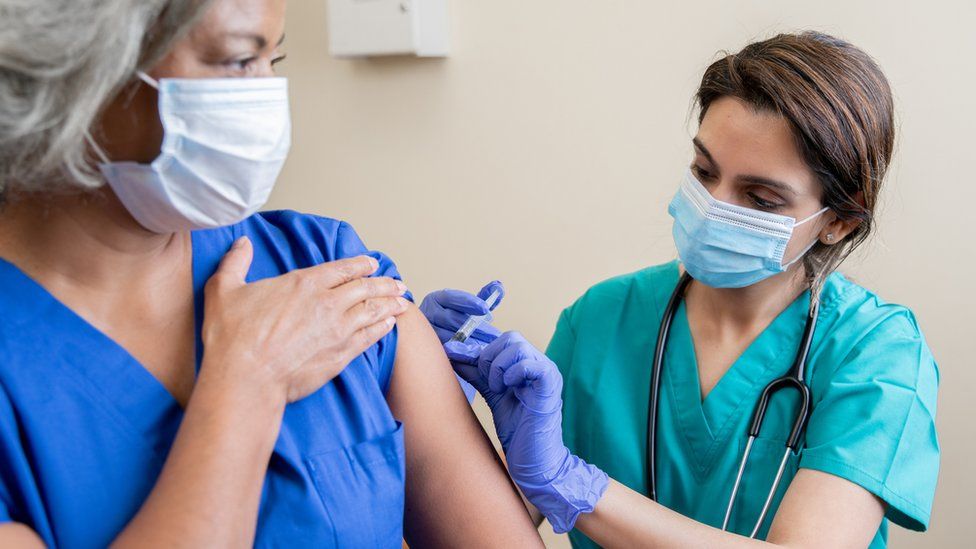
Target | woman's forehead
(240,20)
(745,141)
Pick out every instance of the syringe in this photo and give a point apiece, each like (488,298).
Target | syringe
(473,321)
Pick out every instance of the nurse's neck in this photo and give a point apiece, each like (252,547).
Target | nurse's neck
(735,312)
(85,239)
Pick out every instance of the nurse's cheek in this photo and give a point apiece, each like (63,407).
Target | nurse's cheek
(289,335)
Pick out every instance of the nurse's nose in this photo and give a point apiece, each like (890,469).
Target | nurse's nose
(721,189)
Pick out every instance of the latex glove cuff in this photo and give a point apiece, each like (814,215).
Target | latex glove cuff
(575,488)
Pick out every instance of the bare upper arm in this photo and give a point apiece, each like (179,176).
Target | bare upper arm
(458,493)
(19,536)
(824,510)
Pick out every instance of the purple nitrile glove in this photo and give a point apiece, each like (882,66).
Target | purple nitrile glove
(447,310)
(523,389)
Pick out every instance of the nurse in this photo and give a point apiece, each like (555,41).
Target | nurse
(175,369)
(795,135)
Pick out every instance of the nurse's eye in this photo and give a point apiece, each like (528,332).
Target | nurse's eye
(279,59)
(701,173)
(762,203)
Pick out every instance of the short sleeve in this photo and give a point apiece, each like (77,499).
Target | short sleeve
(560,349)
(348,244)
(874,422)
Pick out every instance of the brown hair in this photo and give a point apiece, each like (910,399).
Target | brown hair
(839,105)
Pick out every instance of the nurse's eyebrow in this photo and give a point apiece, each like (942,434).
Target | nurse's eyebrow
(754,179)
(765,181)
(701,148)
(259,41)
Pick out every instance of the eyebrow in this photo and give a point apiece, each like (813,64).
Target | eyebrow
(259,40)
(755,179)
(701,148)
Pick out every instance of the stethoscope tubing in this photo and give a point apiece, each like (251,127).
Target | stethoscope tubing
(794,379)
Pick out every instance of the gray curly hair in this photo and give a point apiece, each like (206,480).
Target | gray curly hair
(61,62)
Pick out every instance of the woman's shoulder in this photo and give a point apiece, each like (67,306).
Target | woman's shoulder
(287,240)
(862,311)
(866,337)
(333,238)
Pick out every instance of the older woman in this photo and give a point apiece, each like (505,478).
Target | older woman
(176,369)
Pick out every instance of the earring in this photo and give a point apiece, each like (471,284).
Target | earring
(830,237)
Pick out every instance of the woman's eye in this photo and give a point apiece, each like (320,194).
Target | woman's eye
(279,59)
(242,64)
(762,203)
(701,173)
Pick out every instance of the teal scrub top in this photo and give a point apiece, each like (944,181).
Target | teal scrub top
(872,377)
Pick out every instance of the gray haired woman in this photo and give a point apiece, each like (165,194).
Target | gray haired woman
(176,369)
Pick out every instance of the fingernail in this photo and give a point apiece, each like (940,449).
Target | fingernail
(372,262)
(239,242)
(401,286)
(403,303)
(390,322)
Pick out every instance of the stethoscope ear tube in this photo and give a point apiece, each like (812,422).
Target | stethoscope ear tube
(662,339)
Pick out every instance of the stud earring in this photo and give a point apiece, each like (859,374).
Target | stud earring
(830,237)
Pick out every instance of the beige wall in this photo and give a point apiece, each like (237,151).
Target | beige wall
(544,151)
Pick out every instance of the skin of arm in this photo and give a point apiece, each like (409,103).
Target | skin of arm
(534,513)
(816,511)
(458,493)
(19,536)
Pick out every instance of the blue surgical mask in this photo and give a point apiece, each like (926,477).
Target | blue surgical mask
(727,246)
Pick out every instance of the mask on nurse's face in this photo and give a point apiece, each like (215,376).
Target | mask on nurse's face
(727,246)
(225,141)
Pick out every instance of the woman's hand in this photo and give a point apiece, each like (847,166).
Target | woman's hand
(447,310)
(293,333)
(523,389)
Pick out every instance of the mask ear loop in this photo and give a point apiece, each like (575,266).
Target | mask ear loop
(148,79)
(98,150)
(809,217)
(812,244)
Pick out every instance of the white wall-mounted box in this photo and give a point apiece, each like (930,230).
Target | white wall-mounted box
(360,28)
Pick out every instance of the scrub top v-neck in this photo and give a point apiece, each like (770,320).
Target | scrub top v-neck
(872,377)
(85,428)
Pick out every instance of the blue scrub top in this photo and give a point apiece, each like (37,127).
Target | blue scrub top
(872,378)
(85,428)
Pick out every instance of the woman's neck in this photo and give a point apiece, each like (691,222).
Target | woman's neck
(734,311)
(85,240)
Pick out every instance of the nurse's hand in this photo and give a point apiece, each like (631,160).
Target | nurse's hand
(523,389)
(447,310)
(290,335)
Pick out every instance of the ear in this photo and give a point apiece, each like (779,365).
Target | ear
(836,230)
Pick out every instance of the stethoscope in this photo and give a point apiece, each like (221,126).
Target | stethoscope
(792,380)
